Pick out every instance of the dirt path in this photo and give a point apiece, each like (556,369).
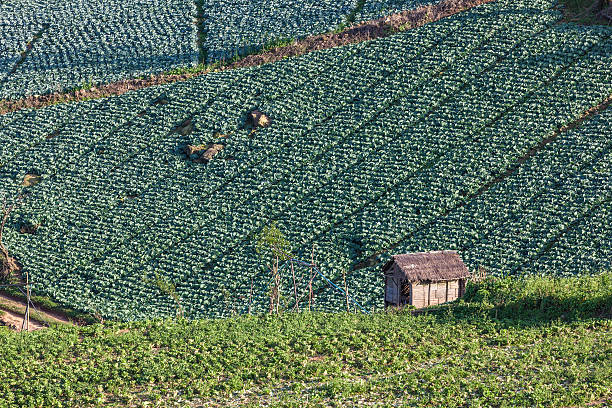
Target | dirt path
(360,32)
(14,321)
(12,309)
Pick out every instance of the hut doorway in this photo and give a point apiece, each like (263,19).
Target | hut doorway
(405,293)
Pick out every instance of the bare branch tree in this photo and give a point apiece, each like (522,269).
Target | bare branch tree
(9,264)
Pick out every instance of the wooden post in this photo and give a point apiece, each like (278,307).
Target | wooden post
(26,317)
(297,309)
(429,294)
(312,266)
(272,291)
(398,292)
(277,285)
(251,296)
(446,296)
(346,293)
(29,300)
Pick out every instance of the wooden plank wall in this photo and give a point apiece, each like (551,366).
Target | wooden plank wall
(434,293)
(391,290)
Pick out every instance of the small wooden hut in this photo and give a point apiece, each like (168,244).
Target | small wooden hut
(424,279)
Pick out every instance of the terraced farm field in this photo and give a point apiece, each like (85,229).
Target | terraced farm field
(462,134)
(56,45)
(61,45)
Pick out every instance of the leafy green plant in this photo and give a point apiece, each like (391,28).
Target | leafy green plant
(168,288)
(453,358)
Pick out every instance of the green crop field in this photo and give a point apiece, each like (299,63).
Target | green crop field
(62,45)
(538,342)
(433,138)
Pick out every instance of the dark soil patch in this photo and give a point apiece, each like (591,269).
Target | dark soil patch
(184,128)
(29,228)
(379,28)
(53,134)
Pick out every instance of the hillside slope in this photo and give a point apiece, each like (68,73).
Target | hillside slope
(402,143)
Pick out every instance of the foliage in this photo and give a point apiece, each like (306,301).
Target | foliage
(60,45)
(159,37)
(373,9)
(394,143)
(536,297)
(455,357)
(273,246)
(169,289)
(269,23)
(585,11)
(270,241)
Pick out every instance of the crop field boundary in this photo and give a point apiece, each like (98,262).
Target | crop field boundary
(365,31)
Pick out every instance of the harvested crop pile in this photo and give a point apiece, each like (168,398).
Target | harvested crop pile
(258,119)
(203,153)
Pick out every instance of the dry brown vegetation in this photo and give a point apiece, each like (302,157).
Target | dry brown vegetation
(205,152)
(364,31)
(8,264)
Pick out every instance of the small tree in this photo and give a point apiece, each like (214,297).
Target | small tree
(169,289)
(272,245)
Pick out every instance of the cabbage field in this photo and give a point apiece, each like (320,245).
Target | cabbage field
(252,25)
(424,140)
(373,9)
(60,45)
(76,43)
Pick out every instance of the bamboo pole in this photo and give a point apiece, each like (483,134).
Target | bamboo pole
(312,266)
(297,308)
(346,293)
(277,285)
(26,317)
(251,296)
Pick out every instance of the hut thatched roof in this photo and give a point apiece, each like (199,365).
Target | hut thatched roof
(429,266)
